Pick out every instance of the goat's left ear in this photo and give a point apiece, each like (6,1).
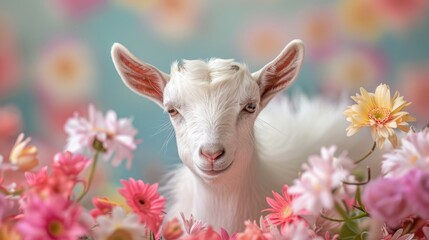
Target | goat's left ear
(281,72)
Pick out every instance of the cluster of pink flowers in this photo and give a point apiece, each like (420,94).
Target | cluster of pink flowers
(42,207)
(326,202)
(41,202)
(401,197)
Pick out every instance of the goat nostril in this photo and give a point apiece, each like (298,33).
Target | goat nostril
(212,154)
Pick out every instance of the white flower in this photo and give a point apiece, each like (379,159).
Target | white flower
(318,186)
(414,153)
(120,226)
(299,231)
(116,135)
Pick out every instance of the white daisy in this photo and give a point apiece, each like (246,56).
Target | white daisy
(116,135)
(120,226)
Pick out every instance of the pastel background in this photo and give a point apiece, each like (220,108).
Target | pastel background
(55,58)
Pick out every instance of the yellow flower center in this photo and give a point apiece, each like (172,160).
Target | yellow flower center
(120,234)
(414,159)
(176,228)
(55,228)
(380,115)
(287,211)
(317,187)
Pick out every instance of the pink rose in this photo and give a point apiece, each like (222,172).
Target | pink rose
(418,191)
(386,199)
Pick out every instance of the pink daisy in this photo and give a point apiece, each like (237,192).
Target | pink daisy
(145,201)
(46,185)
(70,164)
(52,218)
(281,212)
(37,179)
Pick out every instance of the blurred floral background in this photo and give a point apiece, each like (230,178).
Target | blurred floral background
(55,58)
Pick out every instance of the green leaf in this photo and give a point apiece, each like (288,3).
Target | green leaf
(359,197)
(350,231)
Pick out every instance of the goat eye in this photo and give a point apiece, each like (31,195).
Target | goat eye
(250,107)
(172,111)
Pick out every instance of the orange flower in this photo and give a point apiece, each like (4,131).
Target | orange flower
(172,230)
(8,232)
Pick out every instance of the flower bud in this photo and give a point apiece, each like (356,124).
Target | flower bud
(172,230)
(25,157)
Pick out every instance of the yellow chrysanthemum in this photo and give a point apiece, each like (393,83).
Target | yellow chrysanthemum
(380,112)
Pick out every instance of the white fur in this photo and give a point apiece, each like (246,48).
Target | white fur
(263,150)
(285,134)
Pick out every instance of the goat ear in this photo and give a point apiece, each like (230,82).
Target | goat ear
(142,78)
(281,72)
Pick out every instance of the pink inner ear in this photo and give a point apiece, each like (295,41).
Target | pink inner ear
(279,74)
(142,78)
(285,62)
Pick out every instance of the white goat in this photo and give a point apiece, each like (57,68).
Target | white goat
(231,163)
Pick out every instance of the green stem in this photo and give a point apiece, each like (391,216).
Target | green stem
(359,216)
(361,183)
(341,211)
(344,220)
(367,155)
(90,176)
(331,219)
(359,208)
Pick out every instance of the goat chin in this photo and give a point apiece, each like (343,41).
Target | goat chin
(286,132)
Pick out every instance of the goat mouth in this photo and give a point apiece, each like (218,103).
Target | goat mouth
(214,172)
